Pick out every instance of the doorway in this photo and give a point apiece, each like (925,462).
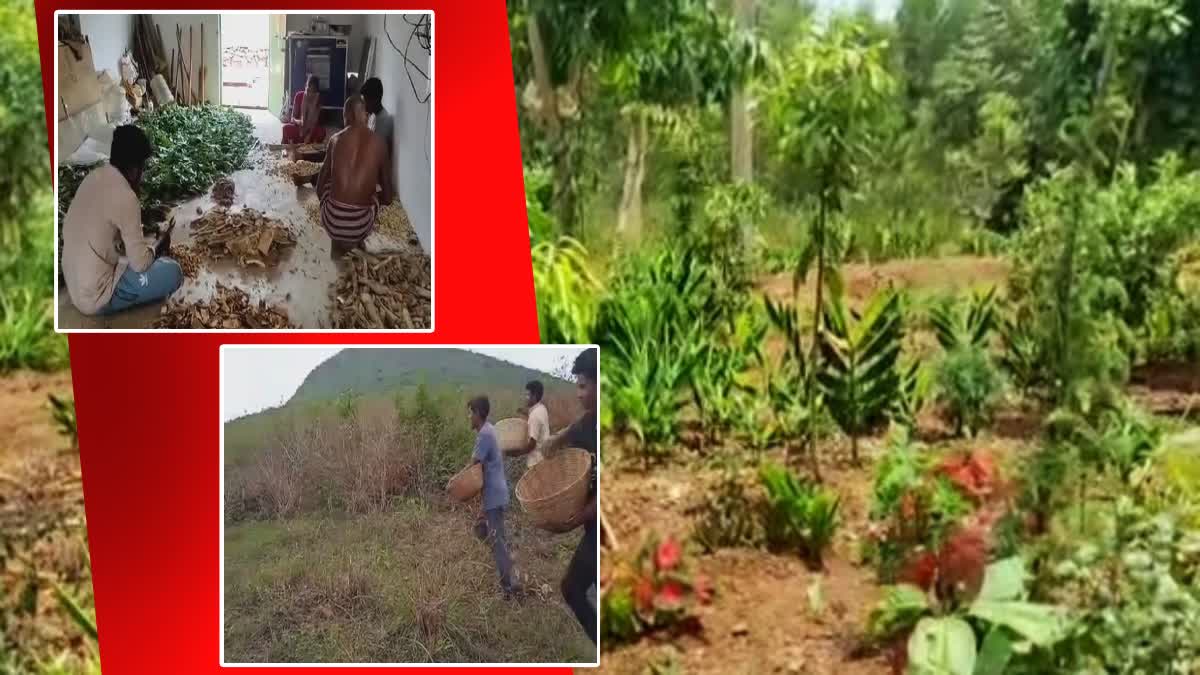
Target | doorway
(245,40)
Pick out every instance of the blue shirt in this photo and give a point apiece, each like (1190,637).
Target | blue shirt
(487,452)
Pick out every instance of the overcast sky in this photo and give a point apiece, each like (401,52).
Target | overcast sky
(257,377)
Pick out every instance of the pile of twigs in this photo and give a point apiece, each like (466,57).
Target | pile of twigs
(389,290)
(247,235)
(229,308)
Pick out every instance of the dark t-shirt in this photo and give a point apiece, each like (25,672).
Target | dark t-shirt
(583,434)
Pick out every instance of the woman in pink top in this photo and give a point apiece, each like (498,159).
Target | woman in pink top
(306,115)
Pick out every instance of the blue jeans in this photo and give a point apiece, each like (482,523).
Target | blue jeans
(138,288)
(495,521)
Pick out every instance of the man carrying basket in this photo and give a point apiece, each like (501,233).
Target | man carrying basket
(495,489)
(584,434)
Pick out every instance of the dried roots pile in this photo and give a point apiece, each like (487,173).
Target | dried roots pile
(383,291)
(222,192)
(229,309)
(393,221)
(247,235)
(302,168)
(188,259)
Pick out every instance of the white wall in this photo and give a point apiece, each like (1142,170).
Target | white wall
(110,36)
(212,47)
(413,125)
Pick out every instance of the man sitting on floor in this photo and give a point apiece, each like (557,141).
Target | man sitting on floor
(105,209)
(355,164)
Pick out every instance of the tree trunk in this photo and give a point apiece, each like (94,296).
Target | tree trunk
(815,354)
(741,138)
(541,75)
(629,216)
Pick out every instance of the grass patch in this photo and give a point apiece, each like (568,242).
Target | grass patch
(407,585)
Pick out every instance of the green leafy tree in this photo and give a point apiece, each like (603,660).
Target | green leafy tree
(822,109)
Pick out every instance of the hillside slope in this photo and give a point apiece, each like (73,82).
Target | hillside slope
(370,371)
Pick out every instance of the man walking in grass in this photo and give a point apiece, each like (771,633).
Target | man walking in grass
(584,434)
(539,421)
(495,488)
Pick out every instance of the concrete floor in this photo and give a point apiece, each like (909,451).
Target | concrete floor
(301,281)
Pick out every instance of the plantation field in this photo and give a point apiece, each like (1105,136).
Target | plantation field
(340,544)
(900,326)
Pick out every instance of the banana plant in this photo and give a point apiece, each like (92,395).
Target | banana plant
(859,351)
(955,327)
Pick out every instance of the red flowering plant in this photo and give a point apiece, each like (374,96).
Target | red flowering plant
(952,606)
(656,589)
(920,500)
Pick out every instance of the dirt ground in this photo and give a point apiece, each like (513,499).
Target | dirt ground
(931,275)
(41,520)
(301,281)
(26,428)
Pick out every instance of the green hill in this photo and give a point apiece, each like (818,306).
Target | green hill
(372,371)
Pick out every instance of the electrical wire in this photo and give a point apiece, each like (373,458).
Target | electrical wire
(420,32)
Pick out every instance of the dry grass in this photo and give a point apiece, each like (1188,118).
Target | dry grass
(341,547)
(42,543)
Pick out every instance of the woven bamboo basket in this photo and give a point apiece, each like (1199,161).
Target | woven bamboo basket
(555,489)
(512,434)
(466,483)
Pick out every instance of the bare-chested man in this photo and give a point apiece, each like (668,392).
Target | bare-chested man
(355,164)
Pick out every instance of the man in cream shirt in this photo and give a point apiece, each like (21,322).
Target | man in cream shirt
(539,421)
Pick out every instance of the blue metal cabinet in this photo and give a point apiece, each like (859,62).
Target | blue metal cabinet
(320,55)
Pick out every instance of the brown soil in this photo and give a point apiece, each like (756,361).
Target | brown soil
(41,522)
(762,619)
(1167,389)
(928,274)
(26,428)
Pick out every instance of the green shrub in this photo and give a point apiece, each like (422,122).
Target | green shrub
(968,383)
(800,515)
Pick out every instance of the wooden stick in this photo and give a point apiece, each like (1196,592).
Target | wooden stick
(186,68)
(161,48)
(191,62)
(607,532)
(203,73)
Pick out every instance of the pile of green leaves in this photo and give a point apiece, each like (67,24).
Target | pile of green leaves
(193,147)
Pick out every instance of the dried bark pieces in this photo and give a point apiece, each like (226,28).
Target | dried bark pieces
(389,290)
(247,236)
(229,308)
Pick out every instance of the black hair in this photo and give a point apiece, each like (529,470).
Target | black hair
(130,148)
(480,406)
(372,89)
(312,81)
(585,364)
(535,387)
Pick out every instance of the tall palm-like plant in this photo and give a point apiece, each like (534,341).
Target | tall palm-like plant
(859,354)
